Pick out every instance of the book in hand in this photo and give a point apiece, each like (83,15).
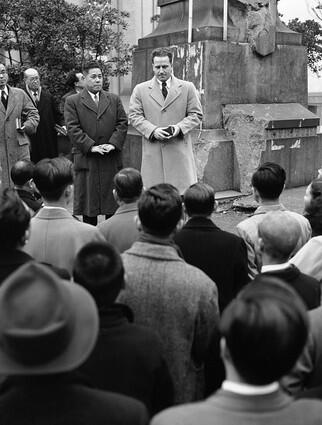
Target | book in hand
(61,130)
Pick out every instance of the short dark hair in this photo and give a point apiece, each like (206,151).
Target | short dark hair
(14,219)
(52,176)
(91,65)
(265,329)
(160,209)
(21,172)
(162,52)
(98,267)
(199,199)
(269,180)
(72,79)
(315,206)
(128,184)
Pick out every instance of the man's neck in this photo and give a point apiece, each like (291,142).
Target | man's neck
(57,204)
(267,260)
(268,202)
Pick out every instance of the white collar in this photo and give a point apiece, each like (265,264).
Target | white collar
(168,83)
(49,207)
(274,267)
(245,389)
(33,91)
(92,95)
(5,90)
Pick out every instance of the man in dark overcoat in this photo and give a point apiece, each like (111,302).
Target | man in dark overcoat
(44,141)
(97,125)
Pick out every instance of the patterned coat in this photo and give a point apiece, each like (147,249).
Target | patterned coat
(180,303)
(14,145)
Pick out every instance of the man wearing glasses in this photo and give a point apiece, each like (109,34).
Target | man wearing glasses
(19,119)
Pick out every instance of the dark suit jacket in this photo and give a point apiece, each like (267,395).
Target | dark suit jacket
(128,359)
(227,408)
(44,142)
(306,286)
(89,125)
(221,255)
(58,400)
(11,260)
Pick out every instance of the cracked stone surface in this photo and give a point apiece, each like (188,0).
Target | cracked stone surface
(248,134)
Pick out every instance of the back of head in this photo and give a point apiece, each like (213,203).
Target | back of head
(314,206)
(98,267)
(47,325)
(280,232)
(265,329)
(160,209)
(128,184)
(14,220)
(199,200)
(269,180)
(21,172)
(52,176)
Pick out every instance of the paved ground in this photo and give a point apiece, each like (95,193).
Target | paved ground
(291,198)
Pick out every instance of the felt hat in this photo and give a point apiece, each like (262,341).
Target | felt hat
(47,325)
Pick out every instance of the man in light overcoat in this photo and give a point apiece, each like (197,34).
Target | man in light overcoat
(164,110)
(19,119)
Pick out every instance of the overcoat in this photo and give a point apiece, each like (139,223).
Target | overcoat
(44,142)
(14,145)
(89,125)
(171,161)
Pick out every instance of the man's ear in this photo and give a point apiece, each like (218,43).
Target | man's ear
(255,194)
(69,191)
(224,351)
(138,223)
(115,195)
(260,244)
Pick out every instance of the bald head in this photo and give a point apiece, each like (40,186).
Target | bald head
(279,233)
(21,172)
(32,79)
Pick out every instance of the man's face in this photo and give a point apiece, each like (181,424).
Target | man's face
(94,80)
(162,67)
(3,77)
(32,80)
(80,82)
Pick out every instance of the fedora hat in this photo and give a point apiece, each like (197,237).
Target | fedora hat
(47,325)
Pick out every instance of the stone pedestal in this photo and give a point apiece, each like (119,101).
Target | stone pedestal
(261,63)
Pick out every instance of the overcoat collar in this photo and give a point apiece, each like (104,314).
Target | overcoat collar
(104,102)
(53,214)
(12,101)
(174,92)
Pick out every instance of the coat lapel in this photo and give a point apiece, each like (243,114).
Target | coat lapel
(174,92)
(104,103)
(30,97)
(88,101)
(11,102)
(155,92)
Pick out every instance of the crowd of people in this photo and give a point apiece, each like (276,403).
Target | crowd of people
(153,313)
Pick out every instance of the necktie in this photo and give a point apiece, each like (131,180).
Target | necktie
(164,89)
(4,99)
(96,99)
(36,97)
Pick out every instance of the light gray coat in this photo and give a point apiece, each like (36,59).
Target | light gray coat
(14,146)
(180,303)
(171,161)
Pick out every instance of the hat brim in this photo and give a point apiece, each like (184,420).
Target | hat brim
(81,343)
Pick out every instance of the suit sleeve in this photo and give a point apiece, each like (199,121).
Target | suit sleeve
(75,132)
(240,267)
(194,111)
(119,134)
(251,254)
(30,114)
(137,117)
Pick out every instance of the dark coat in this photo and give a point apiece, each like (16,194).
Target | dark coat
(58,400)
(128,359)
(11,260)
(87,126)
(306,286)
(30,198)
(44,142)
(221,255)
